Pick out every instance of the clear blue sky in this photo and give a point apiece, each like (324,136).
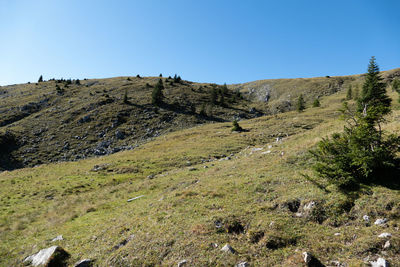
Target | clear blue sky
(201,40)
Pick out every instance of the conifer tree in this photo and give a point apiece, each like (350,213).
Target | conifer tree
(373,101)
(40,79)
(362,153)
(157,94)
(126,101)
(236,127)
(316,103)
(349,94)
(214,96)
(300,106)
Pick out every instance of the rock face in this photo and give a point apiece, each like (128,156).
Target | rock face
(52,256)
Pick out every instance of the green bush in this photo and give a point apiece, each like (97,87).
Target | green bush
(236,127)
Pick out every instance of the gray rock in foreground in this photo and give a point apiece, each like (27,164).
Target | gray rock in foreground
(52,256)
(84,263)
(228,248)
(380,262)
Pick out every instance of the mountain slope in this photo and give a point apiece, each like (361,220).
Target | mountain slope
(61,120)
(201,188)
(281,94)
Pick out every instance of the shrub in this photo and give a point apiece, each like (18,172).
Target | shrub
(316,103)
(236,127)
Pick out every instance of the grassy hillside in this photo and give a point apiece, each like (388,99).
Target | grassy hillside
(281,94)
(61,120)
(201,188)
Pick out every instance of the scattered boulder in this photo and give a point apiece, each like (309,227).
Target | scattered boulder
(387,245)
(380,262)
(385,235)
(366,218)
(52,256)
(242,264)
(311,261)
(57,238)
(380,221)
(228,249)
(182,263)
(100,167)
(84,263)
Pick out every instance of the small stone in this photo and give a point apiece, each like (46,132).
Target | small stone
(57,238)
(192,169)
(52,256)
(228,248)
(151,176)
(380,221)
(84,263)
(380,262)
(366,218)
(182,263)
(387,245)
(385,235)
(242,264)
(337,234)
